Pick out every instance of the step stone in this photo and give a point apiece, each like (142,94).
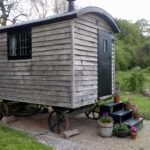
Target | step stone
(138,123)
(121,115)
(110,107)
(121,112)
(117,112)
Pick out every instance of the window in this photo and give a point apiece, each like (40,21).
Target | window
(105,45)
(19,44)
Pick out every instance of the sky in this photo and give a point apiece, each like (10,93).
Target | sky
(132,10)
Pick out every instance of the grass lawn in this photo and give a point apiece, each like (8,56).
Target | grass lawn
(15,140)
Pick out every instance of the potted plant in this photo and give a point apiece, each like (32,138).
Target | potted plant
(105,125)
(136,113)
(116,96)
(133,132)
(127,104)
(121,130)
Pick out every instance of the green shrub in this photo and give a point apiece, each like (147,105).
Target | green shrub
(132,81)
(135,82)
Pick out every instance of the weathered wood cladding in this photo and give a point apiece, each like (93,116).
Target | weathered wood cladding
(63,70)
(86,58)
(47,77)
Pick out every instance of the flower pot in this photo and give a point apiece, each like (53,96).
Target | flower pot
(121,133)
(133,135)
(105,129)
(116,99)
(136,116)
(127,106)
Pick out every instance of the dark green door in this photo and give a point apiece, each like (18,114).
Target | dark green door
(104,63)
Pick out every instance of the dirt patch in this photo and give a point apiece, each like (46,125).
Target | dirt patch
(88,139)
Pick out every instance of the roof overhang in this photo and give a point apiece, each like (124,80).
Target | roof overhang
(66,16)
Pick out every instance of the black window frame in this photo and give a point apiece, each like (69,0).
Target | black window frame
(17,33)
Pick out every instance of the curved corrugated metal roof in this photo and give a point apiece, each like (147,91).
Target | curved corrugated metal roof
(66,16)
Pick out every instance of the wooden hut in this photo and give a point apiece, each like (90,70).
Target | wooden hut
(66,60)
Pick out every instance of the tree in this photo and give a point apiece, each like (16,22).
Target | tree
(60,6)
(144,27)
(39,8)
(10,11)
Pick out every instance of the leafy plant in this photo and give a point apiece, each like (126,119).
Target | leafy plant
(135,110)
(116,92)
(106,118)
(128,101)
(121,127)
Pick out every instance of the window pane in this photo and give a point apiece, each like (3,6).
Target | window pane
(105,45)
(24,45)
(13,45)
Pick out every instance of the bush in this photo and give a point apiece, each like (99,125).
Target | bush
(135,81)
(132,81)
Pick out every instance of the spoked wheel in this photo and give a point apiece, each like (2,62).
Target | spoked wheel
(94,113)
(58,121)
(3,110)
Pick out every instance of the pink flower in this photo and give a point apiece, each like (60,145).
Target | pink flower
(135,108)
(129,99)
(133,128)
(131,125)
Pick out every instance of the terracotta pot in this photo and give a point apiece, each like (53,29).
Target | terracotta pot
(136,116)
(133,135)
(127,106)
(116,99)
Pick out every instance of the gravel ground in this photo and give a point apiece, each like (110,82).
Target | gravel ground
(88,139)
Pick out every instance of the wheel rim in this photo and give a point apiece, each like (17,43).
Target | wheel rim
(58,122)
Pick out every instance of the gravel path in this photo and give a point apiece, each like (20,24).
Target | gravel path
(88,138)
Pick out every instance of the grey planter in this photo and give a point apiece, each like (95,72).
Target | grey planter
(105,129)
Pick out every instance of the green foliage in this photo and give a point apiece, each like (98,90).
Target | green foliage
(133,44)
(117,92)
(135,82)
(106,119)
(15,140)
(121,127)
(132,81)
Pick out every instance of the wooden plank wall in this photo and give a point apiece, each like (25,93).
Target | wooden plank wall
(86,58)
(44,79)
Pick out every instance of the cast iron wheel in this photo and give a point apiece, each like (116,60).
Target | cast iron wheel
(94,113)
(58,122)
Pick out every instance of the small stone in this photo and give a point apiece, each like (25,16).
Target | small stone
(8,119)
